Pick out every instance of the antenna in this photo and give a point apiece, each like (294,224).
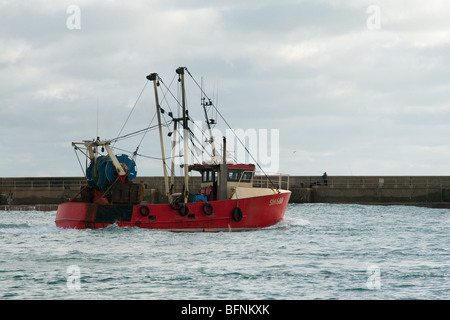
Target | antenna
(97,117)
(217,94)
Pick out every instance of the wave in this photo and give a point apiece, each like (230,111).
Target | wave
(287,223)
(24,228)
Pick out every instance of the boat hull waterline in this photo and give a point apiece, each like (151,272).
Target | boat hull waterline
(212,216)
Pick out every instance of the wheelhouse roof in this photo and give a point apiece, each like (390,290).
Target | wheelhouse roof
(216,167)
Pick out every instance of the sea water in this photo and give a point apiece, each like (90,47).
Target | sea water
(318,251)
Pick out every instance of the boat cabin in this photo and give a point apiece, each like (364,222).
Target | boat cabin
(235,175)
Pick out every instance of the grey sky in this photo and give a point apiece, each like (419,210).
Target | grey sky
(346,99)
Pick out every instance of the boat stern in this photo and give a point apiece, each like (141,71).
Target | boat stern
(75,215)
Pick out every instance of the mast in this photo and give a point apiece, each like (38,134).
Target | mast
(174,143)
(180,71)
(208,123)
(223,168)
(154,77)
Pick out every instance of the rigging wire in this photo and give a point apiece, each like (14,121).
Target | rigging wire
(168,90)
(145,133)
(81,166)
(139,154)
(132,109)
(164,98)
(135,133)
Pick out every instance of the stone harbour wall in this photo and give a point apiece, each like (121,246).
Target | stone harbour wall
(433,191)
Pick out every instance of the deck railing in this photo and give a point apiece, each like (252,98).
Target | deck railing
(278,181)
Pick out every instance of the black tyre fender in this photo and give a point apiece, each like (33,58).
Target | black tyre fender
(144,211)
(175,205)
(208,209)
(184,210)
(237,214)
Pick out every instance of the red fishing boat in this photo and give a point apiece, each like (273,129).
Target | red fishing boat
(227,199)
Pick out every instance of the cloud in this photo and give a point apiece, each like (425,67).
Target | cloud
(341,94)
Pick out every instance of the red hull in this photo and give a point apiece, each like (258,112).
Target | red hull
(257,212)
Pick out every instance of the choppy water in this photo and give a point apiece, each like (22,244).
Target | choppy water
(318,251)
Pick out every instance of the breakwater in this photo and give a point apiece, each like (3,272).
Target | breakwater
(431,191)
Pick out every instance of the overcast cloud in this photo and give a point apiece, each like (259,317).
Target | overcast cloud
(346,98)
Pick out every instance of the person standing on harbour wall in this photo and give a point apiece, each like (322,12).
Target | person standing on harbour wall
(325,179)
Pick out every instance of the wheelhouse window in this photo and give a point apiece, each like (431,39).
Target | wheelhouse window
(246,176)
(207,176)
(233,175)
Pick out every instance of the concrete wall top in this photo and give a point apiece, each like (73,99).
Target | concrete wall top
(371,181)
(294,181)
